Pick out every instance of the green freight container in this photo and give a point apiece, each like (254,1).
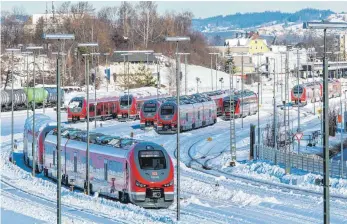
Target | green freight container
(41,95)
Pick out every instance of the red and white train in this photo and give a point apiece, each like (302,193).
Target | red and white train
(243,104)
(106,107)
(195,111)
(134,171)
(312,92)
(149,112)
(218,97)
(124,107)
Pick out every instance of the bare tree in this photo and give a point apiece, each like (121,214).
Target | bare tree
(146,21)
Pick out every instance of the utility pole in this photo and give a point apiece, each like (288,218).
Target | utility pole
(185,71)
(242,90)
(286,111)
(326,134)
(87,77)
(232,117)
(274,103)
(177,40)
(216,71)
(58,37)
(314,92)
(34,104)
(12,108)
(212,70)
(299,101)
(94,69)
(108,78)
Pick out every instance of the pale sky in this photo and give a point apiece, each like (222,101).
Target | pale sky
(200,9)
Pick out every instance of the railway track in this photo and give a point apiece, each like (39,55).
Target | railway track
(262,183)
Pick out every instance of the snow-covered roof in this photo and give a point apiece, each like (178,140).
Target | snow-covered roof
(237,42)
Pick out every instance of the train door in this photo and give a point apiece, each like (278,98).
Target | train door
(91,110)
(126,177)
(99,109)
(105,170)
(75,165)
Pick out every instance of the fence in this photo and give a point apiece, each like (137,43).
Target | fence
(309,163)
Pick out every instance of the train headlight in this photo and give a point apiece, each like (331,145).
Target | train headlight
(168,184)
(139,184)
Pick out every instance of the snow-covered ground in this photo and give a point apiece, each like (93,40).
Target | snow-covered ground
(251,192)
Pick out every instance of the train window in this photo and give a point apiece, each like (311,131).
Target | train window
(167,110)
(124,101)
(210,112)
(75,162)
(187,117)
(105,169)
(198,114)
(152,160)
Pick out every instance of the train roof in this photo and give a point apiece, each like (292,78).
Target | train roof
(96,138)
(239,94)
(40,121)
(308,84)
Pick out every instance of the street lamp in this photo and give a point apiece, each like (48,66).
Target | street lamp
(185,71)
(27,53)
(12,50)
(86,70)
(34,48)
(178,39)
(214,53)
(58,37)
(324,26)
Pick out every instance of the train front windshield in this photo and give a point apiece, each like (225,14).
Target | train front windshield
(167,110)
(76,104)
(149,107)
(227,105)
(297,90)
(152,160)
(124,102)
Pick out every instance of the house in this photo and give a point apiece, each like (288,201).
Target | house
(250,43)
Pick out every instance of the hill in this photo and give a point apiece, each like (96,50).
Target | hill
(247,20)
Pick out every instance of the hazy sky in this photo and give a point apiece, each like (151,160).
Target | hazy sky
(201,9)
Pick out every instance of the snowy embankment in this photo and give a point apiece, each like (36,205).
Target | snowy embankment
(274,173)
